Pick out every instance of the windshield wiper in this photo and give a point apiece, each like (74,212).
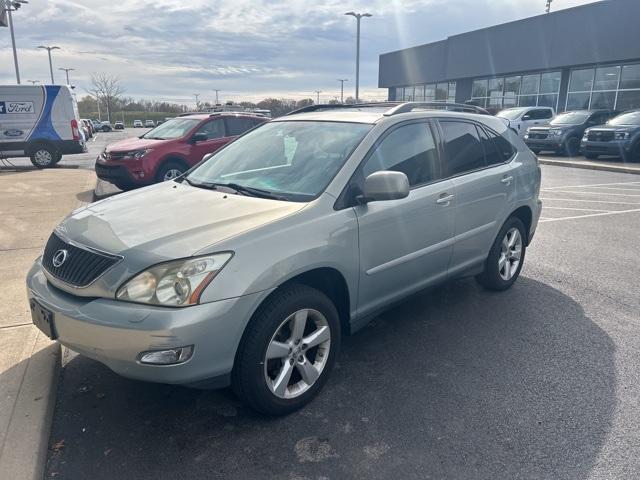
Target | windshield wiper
(241,189)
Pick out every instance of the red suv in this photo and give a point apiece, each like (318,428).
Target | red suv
(170,149)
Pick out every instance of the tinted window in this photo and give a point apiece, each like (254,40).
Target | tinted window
(409,149)
(462,147)
(239,125)
(213,128)
(497,149)
(540,114)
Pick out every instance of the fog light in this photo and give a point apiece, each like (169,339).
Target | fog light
(167,357)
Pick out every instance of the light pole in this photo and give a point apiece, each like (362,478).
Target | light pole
(317,92)
(33,82)
(549,5)
(216,90)
(11,6)
(48,49)
(67,70)
(342,80)
(196,95)
(358,17)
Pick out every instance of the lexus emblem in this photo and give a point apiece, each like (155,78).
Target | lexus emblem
(59,258)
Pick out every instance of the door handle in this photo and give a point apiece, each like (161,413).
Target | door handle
(507,180)
(444,199)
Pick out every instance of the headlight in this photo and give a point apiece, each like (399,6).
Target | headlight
(621,135)
(555,131)
(136,154)
(178,283)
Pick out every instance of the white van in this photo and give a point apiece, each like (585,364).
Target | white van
(40,122)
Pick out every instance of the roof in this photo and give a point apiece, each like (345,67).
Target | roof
(607,32)
(204,115)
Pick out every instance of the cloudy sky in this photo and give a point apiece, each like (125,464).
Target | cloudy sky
(249,49)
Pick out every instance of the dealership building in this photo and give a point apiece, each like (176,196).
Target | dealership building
(578,58)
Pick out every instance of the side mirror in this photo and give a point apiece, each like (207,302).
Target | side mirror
(526,117)
(199,137)
(385,185)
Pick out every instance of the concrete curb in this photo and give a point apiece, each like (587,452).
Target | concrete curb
(590,166)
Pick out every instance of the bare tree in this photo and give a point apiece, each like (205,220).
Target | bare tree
(107,89)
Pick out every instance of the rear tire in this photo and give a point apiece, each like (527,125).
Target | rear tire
(506,257)
(282,380)
(43,156)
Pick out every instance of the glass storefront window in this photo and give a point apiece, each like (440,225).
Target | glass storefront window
(479,88)
(578,101)
(419,93)
(530,84)
(630,77)
(511,87)
(527,100)
(430,92)
(452,92)
(603,100)
(606,78)
(581,80)
(628,100)
(442,91)
(548,101)
(496,87)
(550,82)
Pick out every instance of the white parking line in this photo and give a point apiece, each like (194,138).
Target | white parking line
(618,189)
(578,209)
(593,185)
(597,193)
(545,220)
(547,199)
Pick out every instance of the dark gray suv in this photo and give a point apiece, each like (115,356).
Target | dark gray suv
(620,136)
(250,268)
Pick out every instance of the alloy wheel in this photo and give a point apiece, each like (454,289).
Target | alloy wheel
(297,353)
(43,157)
(172,174)
(510,254)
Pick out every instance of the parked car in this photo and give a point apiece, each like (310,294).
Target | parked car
(249,269)
(519,119)
(89,124)
(39,122)
(167,151)
(149,123)
(138,124)
(565,131)
(118,126)
(105,126)
(86,129)
(96,125)
(620,136)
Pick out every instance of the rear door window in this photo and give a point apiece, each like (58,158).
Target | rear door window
(239,125)
(462,147)
(497,149)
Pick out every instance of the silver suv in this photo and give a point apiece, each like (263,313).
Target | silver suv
(250,268)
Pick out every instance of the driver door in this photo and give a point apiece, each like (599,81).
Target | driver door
(216,138)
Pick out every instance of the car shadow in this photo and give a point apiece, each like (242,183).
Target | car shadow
(454,383)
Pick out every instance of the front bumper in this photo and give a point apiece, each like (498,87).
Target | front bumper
(550,143)
(115,333)
(118,174)
(614,147)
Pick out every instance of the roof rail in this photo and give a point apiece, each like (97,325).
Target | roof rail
(455,107)
(232,112)
(330,106)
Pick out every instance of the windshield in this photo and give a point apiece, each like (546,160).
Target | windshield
(631,118)
(295,160)
(510,113)
(176,128)
(570,118)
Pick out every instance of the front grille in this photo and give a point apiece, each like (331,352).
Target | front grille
(600,136)
(81,267)
(538,136)
(115,155)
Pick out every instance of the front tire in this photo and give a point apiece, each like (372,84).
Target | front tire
(43,156)
(170,171)
(288,350)
(506,257)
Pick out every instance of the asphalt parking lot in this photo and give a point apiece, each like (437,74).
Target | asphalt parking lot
(541,381)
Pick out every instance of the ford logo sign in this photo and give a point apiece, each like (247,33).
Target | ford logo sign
(13,133)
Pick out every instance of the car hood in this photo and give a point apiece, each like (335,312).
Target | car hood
(169,220)
(134,143)
(614,128)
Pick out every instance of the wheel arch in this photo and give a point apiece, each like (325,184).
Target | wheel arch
(525,215)
(32,145)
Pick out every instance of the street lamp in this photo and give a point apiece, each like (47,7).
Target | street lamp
(8,6)
(549,6)
(48,49)
(197,95)
(67,70)
(358,16)
(317,92)
(217,91)
(342,80)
